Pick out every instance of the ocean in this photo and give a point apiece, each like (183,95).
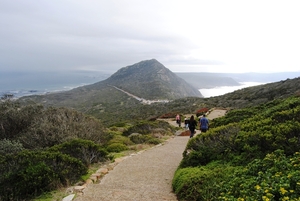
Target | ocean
(21,84)
(217,91)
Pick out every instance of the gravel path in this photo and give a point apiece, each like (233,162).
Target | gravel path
(146,176)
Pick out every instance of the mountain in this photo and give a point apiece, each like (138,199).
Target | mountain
(147,79)
(151,80)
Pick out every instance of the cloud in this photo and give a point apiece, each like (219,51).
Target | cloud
(204,35)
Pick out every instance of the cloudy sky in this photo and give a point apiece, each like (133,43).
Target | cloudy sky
(184,35)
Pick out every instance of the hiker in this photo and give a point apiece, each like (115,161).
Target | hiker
(186,123)
(204,124)
(178,121)
(192,126)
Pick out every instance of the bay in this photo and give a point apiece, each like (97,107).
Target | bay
(218,91)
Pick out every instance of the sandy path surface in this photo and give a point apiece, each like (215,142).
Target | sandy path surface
(143,177)
(146,176)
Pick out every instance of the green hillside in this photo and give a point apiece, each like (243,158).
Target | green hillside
(250,154)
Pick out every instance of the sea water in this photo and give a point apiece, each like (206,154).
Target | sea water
(217,91)
(27,83)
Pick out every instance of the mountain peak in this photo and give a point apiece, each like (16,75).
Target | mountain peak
(152,80)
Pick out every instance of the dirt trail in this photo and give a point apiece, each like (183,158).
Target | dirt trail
(146,176)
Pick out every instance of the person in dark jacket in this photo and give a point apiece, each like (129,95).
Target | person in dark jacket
(192,126)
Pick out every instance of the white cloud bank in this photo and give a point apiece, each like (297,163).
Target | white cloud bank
(191,35)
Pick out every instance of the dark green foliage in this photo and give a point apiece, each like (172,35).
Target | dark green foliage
(57,125)
(85,150)
(29,173)
(146,127)
(276,177)
(15,119)
(116,147)
(37,127)
(140,139)
(200,183)
(249,140)
(10,146)
(250,137)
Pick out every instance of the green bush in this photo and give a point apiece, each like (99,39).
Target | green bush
(251,138)
(276,177)
(200,183)
(146,127)
(15,119)
(30,173)
(58,125)
(120,139)
(261,149)
(10,147)
(143,139)
(85,150)
(116,147)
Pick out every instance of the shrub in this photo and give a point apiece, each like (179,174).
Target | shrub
(58,125)
(15,119)
(85,150)
(29,173)
(143,139)
(10,146)
(276,177)
(146,127)
(116,147)
(120,139)
(200,183)
(262,148)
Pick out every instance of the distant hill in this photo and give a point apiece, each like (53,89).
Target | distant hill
(151,80)
(112,106)
(204,80)
(147,79)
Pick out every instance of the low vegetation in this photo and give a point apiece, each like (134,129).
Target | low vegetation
(250,154)
(44,149)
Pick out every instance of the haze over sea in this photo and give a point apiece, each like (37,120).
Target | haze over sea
(32,83)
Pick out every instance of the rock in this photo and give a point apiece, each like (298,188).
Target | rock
(102,171)
(97,175)
(68,198)
(94,178)
(79,188)
(88,181)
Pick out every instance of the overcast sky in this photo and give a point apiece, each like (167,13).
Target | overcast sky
(185,35)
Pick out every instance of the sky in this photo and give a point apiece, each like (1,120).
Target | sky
(231,36)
